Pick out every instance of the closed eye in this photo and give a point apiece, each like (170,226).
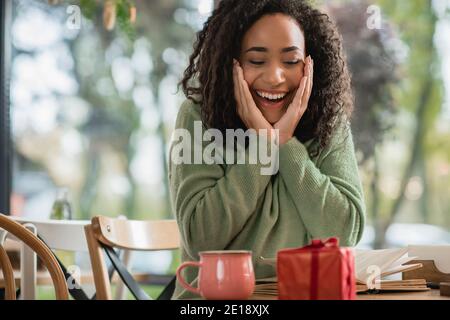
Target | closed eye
(293,62)
(258,62)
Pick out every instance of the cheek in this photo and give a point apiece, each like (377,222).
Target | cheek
(249,75)
(294,77)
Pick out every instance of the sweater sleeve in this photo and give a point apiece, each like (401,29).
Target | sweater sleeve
(328,196)
(212,202)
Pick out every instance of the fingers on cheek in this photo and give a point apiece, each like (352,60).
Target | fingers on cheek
(299,85)
(245,76)
(239,111)
(302,86)
(241,71)
(236,91)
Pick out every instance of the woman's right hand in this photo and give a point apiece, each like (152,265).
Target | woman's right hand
(246,106)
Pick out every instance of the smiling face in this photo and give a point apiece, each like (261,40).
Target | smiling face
(272,57)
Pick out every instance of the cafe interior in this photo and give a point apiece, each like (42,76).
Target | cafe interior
(88,103)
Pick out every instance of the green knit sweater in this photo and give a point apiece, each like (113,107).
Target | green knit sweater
(220,206)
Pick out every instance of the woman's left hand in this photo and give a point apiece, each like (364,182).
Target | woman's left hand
(298,106)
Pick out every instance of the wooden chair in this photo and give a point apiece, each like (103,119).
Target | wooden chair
(57,235)
(45,254)
(125,234)
(67,235)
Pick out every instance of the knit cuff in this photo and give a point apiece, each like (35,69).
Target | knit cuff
(292,151)
(297,169)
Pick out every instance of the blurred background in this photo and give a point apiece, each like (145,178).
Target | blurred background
(93,101)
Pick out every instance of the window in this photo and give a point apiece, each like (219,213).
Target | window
(92,110)
(5,168)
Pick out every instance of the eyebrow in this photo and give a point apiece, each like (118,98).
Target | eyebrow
(263,49)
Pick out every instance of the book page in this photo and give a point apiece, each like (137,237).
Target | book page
(383,259)
(401,261)
(404,268)
(396,285)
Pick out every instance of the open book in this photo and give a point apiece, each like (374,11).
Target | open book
(371,266)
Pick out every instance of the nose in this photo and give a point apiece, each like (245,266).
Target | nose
(274,75)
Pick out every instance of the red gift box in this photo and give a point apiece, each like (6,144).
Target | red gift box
(319,271)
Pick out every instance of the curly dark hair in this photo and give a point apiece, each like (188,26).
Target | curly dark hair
(208,80)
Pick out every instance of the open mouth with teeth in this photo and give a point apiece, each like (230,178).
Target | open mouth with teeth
(271,97)
(270,100)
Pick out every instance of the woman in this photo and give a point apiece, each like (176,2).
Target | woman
(276,65)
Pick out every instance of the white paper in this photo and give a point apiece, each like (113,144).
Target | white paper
(367,260)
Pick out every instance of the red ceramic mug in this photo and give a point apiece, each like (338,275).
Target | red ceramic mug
(223,275)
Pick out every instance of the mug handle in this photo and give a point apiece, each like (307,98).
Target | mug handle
(180,277)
